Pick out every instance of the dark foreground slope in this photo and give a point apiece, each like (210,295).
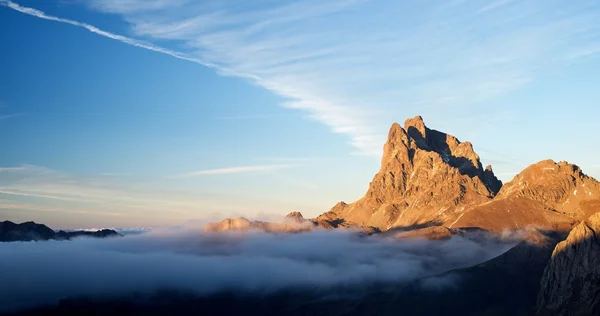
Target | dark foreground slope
(571,281)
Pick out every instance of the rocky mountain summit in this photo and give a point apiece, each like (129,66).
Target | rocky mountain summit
(426,178)
(429,178)
(571,281)
(30,231)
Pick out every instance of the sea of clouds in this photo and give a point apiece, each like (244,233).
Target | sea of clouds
(41,273)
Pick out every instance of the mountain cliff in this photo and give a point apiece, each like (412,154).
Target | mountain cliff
(571,282)
(430,178)
(426,178)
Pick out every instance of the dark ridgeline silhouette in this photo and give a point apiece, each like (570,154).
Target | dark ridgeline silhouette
(30,231)
(27,231)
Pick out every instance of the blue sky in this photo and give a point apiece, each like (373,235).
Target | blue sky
(155,112)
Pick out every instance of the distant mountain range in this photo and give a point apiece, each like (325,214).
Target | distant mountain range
(30,231)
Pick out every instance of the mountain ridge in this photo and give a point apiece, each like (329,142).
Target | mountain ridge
(31,231)
(430,178)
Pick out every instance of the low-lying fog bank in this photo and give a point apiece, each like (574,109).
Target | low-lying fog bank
(40,273)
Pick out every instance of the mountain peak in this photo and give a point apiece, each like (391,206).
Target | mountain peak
(421,169)
(295,217)
(560,186)
(415,127)
(396,133)
(547,194)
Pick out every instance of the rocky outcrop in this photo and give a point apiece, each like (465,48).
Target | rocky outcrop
(238,223)
(30,231)
(550,195)
(426,177)
(293,223)
(295,217)
(571,282)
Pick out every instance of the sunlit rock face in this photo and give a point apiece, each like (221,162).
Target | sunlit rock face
(426,178)
(429,178)
(548,195)
(571,281)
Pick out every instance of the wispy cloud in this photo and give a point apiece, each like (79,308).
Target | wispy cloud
(252,117)
(297,159)
(237,170)
(585,51)
(10,169)
(93,29)
(354,65)
(120,6)
(494,5)
(7,116)
(38,195)
(128,200)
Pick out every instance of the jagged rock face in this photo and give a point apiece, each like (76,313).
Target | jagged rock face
(427,177)
(547,194)
(571,282)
